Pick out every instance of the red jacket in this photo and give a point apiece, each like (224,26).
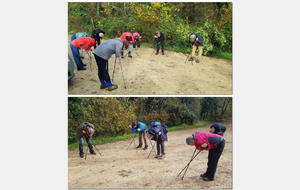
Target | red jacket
(211,139)
(136,34)
(123,37)
(84,43)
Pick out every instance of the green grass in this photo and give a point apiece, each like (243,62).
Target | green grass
(103,140)
(222,55)
(73,31)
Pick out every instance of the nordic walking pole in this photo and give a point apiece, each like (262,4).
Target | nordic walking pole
(151,149)
(187,166)
(135,51)
(154,49)
(133,136)
(114,69)
(86,151)
(96,149)
(89,55)
(152,145)
(122,73)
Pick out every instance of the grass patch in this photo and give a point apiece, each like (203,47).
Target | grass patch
(103,140)
(222,55)
(72,31)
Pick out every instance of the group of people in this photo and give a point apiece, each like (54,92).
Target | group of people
(212,141)
(103,52)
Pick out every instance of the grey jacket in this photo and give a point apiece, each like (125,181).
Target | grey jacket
(81,127)
(108,48)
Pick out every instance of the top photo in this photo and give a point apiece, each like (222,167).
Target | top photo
(153,48)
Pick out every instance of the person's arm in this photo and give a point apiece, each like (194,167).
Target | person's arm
(119,49)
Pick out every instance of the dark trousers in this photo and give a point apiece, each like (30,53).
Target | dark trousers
(77,59)
(160,144)
(213,159)
(102,68)
(162,46)
(88,140)
(138,44)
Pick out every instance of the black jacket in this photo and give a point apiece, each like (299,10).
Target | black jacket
(161,38)
(95,34)
(200,39)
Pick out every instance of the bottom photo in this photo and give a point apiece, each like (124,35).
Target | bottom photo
(150,142)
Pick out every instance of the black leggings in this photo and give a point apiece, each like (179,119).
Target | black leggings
(102,68)
(161,144)
(162,43)
(213,159)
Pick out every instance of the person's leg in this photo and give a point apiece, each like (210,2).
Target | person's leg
(163,47)
(158,147)
(129,53)
(199,52)
(89,142)
(81,153)
(140,140)
(77,60)
(157,48)
(213,159)
(134,45)
(163,148)
(145,139)
(193,52)
(100,74)
(138,44)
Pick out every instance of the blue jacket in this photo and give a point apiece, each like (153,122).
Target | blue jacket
(155,128)
(141,126)
(218,127)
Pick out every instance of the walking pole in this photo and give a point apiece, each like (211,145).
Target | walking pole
(154,49)
(151,150)
(86,151)
(187,166)
(134,50)
(96,148)
(122,73)
(89,55)
(133,136)
(114,69)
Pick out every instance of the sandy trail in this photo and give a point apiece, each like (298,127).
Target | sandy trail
(119,168)
(156,74)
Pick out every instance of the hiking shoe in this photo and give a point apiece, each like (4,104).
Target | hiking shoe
(103,86)
(198,61)
(113,87)
(162,53)
(81,69)
(81,57)
(129,55)
(84,64)
(146,146)
(208,179)
(203,175)
(156,53)
(156,156)
(191,59)
(162,157)
(140,146)
(91,149)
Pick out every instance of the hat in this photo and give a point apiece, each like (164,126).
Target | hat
(192,38)
(101,35)
(90,131)
(134,123)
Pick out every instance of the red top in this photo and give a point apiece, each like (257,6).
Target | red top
(123,37)
(136,34)
(210,138)
(84,43)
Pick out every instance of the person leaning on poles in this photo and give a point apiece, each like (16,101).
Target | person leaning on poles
(217,128)
(214,144)
(141,128)
(159,38)
(85,130)
(197,41)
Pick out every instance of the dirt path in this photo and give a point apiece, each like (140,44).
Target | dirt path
(157,74)
(119,168)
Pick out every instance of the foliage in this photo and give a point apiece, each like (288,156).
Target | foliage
(177,21)
(111,116)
